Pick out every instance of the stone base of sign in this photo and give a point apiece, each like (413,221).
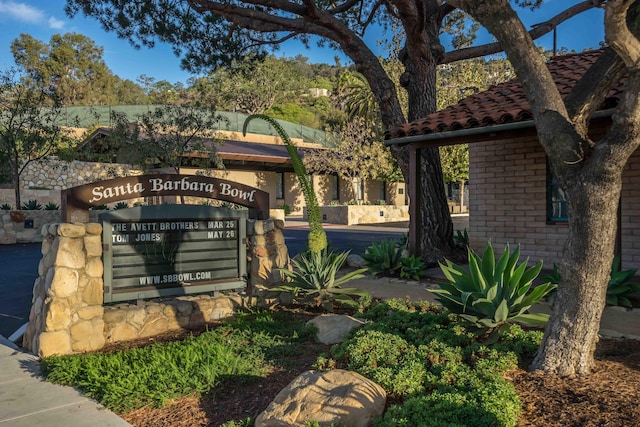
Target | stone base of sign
(126,322)
(268,253)
(67,313)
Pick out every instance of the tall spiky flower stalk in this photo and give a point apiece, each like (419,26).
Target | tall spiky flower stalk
(317,240)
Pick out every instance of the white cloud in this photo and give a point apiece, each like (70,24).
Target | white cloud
(56,24)
(21,11)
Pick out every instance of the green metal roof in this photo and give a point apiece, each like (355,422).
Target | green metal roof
(101,116)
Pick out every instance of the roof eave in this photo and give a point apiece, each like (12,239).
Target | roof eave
(452,137)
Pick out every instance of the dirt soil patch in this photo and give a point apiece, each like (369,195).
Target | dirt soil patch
(605,398)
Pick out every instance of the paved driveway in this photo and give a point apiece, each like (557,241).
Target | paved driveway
(18,272)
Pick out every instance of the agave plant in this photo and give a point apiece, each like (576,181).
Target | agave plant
(492,294)
(412,268)
(315,281)
(618,290)
(31,205)
(384,257)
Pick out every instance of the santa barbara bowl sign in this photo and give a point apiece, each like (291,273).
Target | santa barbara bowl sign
(83,197)
(169,249)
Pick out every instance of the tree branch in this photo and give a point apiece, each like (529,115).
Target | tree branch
(617,33)
(537,32)
(592,88)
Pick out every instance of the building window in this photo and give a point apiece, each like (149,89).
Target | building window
(279,185)
(360,195)
(335,187)
(557,210)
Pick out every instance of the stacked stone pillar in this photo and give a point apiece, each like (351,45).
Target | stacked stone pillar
(267,253)
(67,313)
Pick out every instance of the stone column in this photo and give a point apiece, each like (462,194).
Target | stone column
(66,313)
(267,253)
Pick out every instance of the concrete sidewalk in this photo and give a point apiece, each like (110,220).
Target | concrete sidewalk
(26,400)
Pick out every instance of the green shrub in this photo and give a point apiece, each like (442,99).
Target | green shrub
(412,268)
(5,207)
(51,207)
(436,370)
(387,359)
(618,290)
(384,257)
(286,208)
(120,205)
(493,294)
(492,404)
(31,205)
(315,281)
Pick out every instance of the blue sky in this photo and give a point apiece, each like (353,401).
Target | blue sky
(43,18)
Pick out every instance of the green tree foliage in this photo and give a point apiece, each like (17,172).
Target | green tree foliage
(357,154)
(28,131)
(170,136)
(253,85)
(71,64)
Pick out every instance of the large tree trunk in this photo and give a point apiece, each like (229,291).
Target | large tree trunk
(572,332)
(433,227)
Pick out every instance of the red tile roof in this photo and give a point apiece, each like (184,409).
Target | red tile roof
(503,103)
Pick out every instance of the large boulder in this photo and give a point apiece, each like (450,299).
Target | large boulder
(333,328)
(336,397)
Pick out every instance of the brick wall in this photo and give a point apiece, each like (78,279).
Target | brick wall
(630,213)
(508,181)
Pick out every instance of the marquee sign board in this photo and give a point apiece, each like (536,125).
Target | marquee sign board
(153,251)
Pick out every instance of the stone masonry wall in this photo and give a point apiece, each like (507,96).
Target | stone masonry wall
(267,253)
(43,180)
(67,313)
(13,230)
(363,214)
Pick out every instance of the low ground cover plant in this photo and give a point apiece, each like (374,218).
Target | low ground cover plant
(243,349)
(435,367)
(430,363)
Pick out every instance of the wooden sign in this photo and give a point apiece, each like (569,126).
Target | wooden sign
(99,193)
